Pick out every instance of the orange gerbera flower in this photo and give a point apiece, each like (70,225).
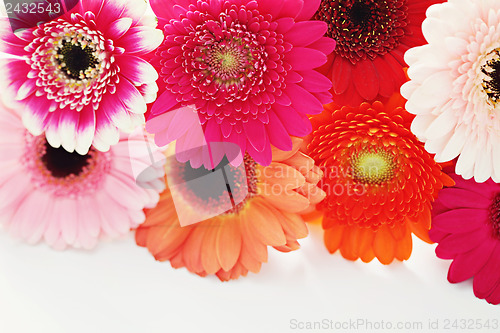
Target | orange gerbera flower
(379,180)
(235,242)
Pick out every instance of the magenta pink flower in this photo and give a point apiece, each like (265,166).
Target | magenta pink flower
(85,75)
(246,66)
(466,224)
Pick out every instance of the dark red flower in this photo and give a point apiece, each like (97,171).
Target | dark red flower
(372,37)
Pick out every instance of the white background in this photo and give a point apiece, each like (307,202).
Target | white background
(120,288)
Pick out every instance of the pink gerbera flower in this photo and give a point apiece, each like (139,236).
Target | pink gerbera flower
(72,199)
(466,224)
(83,76)
(246,66)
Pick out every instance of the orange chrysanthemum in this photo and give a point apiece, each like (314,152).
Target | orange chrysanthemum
(379,180)
(235,242)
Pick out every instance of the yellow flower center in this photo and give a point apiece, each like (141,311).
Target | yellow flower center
(373,167)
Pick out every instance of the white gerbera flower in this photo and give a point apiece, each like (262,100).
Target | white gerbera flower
(454,87)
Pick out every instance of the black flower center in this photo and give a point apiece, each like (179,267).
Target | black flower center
(491,83)
(360,13)
(76,59)
(495,216)
(208,190)
(61,163)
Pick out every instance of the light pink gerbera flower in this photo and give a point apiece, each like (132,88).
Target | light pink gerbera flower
(454,87)
(246,66)
(84,76)
(69,199)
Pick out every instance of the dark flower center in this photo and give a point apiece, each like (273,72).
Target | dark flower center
(364,28)
(61,163)
(360,13)
(76,59)
(207,190)
(491,83)
(495,216)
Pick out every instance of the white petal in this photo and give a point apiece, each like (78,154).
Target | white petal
(434,91)
(483,167)
(455,145)
(465,163)
(442,125)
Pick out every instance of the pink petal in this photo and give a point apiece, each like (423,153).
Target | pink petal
(324,44)
(296,124)
(309,9)
(256,134)
(454,198)
(291,8)
(165,102)
(314,81)
(307,32)
(463,220)
(460,243)
(466,265)
(303,58)
(488,278)
(278,136)
(303,101)
(271,7)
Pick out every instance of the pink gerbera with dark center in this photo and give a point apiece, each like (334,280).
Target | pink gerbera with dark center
(72,200)
(84,76)
(466,224)
(372,37)
(246,66)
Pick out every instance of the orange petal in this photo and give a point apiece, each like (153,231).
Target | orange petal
(252,243)
(383,245)
(176,260)
(421,226)
(399,231)
(333,237)
(247,260)
(314,175)
(228,244)
(404,246)
(264,224)
(141,235)
(168,241)
(301,162)
(365,243)
(312,192)
(314,216)
(193,247)
(289,201)
(283,175)
(209,258)
(368,255)
(279,155)
(350,243)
